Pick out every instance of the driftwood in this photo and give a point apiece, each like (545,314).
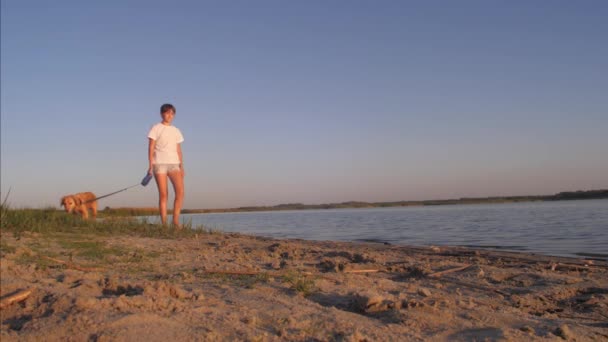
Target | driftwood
(71,265)
(274,274)
(17,297)
(433,275)
(538,259)
(232,272)
(439,274)
(360,271)
(568,266)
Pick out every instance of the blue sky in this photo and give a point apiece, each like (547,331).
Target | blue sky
(305,101)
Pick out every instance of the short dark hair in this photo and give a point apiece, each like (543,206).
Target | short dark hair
(167,107)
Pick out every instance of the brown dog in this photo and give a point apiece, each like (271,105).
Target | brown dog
(80,203)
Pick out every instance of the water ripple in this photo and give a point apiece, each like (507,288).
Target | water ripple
(562,228)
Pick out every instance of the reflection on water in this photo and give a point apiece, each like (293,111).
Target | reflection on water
(564,228)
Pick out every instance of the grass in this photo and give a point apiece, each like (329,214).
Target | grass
(247,281)
(5,248)
(51,221)
(72,248)
(122,212)
(36,259)
(300,283)
(91,250)
(82,239)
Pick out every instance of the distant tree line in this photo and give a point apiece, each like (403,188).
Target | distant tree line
(575,195)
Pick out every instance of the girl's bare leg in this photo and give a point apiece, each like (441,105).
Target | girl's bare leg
(161,182)
(177,179)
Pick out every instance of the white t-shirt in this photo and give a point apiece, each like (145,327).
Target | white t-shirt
(167,138)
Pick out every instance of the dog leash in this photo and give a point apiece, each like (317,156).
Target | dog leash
(112,193)
(143,182)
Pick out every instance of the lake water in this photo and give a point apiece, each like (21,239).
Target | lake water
(561,228)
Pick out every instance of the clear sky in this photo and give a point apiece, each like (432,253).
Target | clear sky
(305,101)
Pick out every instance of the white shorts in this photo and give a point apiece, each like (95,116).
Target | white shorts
(165,168)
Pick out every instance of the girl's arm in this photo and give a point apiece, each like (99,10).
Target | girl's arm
(151,145)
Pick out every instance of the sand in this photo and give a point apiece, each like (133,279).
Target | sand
(152,289)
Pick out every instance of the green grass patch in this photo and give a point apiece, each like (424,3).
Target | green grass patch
(91,250)
(29,259)
(251,281)
(72,248)
(50,221)
(300,283)
(248,281)
(71,239)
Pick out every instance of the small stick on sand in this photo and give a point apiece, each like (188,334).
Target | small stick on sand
(361,271)
(232,272)
(17,297)
(439,274)
(71,265)
(272,274)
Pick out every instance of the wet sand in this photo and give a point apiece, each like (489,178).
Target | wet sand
(237,287)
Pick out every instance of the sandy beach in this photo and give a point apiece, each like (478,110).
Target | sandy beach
(226,287)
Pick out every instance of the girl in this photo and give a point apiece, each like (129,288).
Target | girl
(165,158)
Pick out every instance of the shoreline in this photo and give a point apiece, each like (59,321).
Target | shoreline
(229,286)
